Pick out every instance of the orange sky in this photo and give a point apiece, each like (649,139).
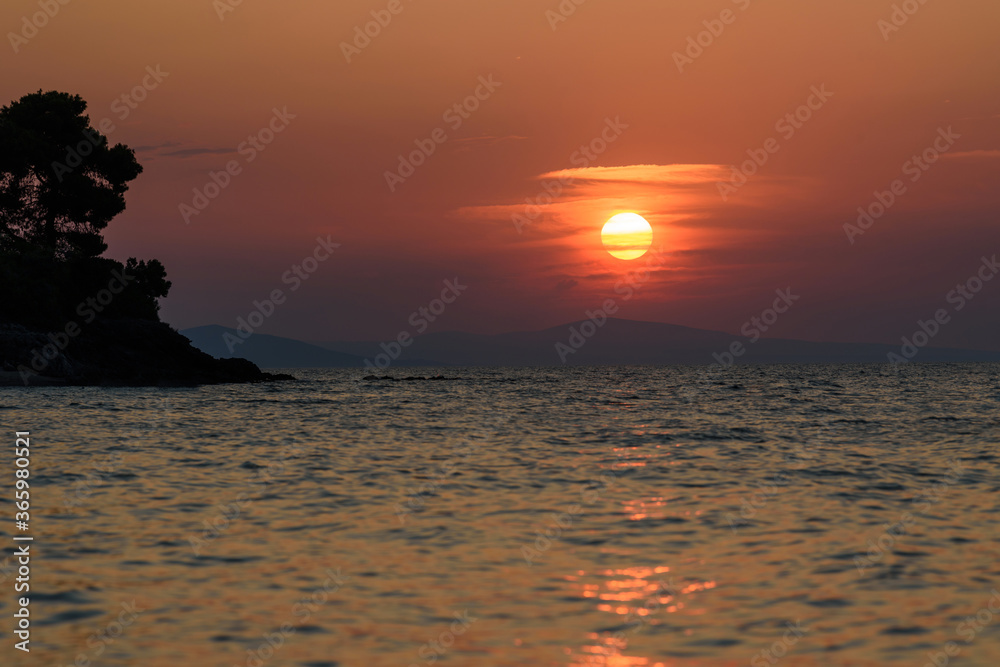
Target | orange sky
(610,68)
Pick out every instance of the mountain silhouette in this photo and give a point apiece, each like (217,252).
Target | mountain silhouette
(267,351)
(616,342)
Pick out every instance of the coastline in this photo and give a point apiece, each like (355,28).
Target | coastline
(122,353)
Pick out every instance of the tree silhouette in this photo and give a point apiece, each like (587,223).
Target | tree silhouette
(60,186)
(60,182)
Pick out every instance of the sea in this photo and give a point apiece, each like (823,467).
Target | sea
(617,516)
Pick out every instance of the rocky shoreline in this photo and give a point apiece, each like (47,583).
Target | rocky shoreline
(130,353)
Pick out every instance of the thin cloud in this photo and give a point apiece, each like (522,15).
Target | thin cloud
(677,174)
(193,152)
(156,147)
(566,284)
(610,187)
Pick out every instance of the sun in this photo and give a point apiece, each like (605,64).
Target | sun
(627,236)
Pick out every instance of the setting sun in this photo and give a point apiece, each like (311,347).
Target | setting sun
(627,236)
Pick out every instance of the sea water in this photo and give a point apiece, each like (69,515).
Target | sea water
(796,515)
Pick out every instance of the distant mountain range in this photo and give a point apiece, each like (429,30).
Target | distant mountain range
(269,351)
(616,342)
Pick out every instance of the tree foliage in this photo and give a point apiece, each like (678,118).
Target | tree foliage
(61,183)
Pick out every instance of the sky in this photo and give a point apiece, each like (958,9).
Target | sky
(747,133)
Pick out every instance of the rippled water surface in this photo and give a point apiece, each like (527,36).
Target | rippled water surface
(811,515)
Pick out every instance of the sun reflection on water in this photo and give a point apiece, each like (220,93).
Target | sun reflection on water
(638,596)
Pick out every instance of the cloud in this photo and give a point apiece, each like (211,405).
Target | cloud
(603,191)
(566,284)
(193,152)
(676,174)
(469,143)
(556,222)
(182,152)
(156,147)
